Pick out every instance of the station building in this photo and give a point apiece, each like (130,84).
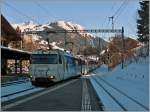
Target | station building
(8,35)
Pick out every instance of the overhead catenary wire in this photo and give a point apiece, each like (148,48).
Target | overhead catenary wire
(112,7)
(131,26)
(106,18)
(45,10)
(128,23)
(117,11)
(105,23)
(121,10)
(19,12)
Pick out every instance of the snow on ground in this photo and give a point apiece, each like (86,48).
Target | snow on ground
(133,80)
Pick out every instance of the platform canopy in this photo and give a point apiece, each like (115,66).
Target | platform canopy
(11,53)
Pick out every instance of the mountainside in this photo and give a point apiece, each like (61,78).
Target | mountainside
(114,51)
(75,41)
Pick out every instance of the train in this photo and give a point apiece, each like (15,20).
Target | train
(49,66)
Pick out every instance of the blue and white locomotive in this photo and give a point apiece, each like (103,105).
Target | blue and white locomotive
(55,65)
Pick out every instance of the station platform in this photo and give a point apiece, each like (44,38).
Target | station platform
(11,78)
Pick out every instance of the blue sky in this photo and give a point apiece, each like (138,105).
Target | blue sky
(88,13)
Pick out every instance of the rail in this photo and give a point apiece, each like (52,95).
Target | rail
(14,82)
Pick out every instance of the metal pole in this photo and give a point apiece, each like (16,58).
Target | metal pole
(108,58)
(123,47)
(112,21)
(99,42)
(21,41)
(65,39)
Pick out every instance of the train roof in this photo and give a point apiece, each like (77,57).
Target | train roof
(52,51)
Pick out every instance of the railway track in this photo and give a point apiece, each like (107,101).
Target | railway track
(14,82)
(105,85)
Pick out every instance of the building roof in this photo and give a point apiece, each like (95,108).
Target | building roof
(16,50)
(9,32)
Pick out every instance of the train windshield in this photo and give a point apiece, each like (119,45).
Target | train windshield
(45,59)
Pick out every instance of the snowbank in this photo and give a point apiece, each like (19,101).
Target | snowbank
(132,80)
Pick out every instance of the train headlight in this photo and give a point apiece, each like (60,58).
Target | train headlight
(51,77)
(31,76)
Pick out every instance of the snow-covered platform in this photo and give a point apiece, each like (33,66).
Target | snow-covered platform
(123,89)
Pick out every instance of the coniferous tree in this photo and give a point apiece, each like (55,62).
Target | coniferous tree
(143,22)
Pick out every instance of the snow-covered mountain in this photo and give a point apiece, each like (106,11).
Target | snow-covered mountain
(31,26)
(79,40)
(24,26)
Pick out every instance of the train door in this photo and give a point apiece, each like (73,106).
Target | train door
(60,67)
(80,66)
(70,66)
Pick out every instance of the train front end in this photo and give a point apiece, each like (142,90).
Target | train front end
(44,67)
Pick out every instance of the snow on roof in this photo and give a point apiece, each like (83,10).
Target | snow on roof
(94,58)
(56,47)
(102,52)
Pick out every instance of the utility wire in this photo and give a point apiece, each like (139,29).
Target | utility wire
(127,22)
(106,19)
(121,10)
(45,10)
(112,8)
(20,12)
(130,25)
(118,12)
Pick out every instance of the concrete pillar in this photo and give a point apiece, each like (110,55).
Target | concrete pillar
(3,66)
(20,63)
(15,66)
